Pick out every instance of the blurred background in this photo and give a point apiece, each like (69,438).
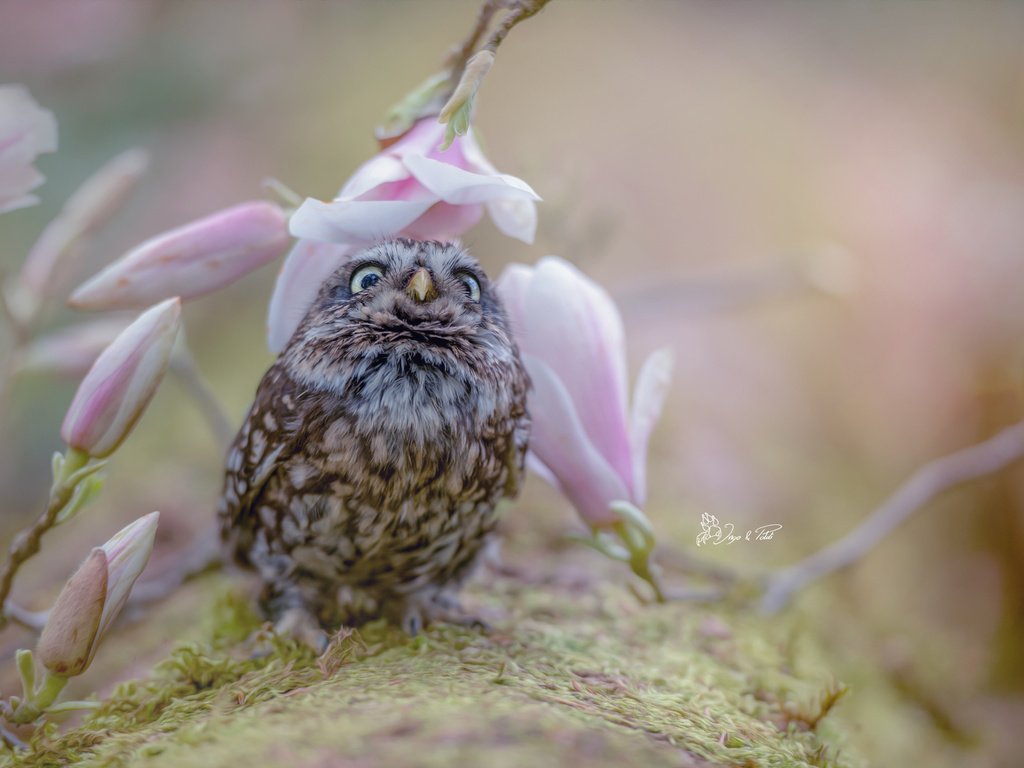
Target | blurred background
(714,165)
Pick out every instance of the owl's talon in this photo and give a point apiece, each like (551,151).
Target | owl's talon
(412,622)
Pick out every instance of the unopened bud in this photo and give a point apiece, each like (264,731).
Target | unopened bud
(93,597)
(190,261)
(121,382)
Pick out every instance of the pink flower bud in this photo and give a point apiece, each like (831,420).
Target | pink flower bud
(584,438)
(26,131)
(190,261)
(86,210)
(71,351)
(93,597)
(121,382)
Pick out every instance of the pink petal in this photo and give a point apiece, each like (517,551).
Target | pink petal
(570,323)
(355,221)
(561,443)
(303,272)
(382,169)
(652,385)
(444,221)
(512,285)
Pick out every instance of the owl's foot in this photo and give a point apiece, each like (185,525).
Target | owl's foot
(420,610)
(304,627)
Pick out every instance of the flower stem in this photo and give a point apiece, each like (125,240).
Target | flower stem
(26,543)
(183,365)
(40,699)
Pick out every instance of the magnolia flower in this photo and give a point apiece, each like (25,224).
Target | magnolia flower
(93,597)
(121,382)
(584,439)
(190,261)
(412,188)
(26,131)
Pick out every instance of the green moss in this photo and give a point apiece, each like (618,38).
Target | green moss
(563,675)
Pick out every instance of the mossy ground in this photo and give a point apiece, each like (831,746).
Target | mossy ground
(568,672)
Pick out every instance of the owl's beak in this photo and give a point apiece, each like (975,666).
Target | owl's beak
(421,286)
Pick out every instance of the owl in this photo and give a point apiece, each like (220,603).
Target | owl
(365,479)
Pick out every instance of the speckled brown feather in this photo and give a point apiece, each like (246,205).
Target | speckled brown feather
(365,478)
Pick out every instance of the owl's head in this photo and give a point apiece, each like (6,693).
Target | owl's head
(402,307)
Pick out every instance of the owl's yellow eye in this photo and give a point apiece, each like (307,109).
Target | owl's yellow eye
(471,283)
(364,277)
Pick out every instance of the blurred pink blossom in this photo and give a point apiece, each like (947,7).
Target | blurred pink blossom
(93,597)
(26,131)
(122,381)
(88,208)
(585,439)
(190,261)
(71,351)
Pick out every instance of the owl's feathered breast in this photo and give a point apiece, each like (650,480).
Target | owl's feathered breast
(376,471)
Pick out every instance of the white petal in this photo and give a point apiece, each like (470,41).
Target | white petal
(515,218)
(355,221)
(303,272)
(652,386)
(461,187)
(382,169)
(561,443)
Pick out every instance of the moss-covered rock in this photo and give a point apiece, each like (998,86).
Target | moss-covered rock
(567,674)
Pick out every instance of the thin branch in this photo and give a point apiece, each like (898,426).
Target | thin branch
(34,620)
(460,54)
(26,543)
(925,484)
(519,10)
(183,365)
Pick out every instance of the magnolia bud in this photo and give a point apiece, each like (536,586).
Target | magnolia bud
(190,261)
(121,382)
(93,597)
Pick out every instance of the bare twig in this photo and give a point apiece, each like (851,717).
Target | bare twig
(202,557)
(460,54)
(34,620)
(183,365)
(925,484)
(26,543)
(518,10)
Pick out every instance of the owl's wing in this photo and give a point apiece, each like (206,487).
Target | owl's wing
(272,432)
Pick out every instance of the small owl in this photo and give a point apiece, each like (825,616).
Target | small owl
(365,479)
